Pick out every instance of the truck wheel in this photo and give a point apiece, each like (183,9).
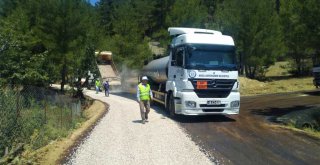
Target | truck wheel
(172,107)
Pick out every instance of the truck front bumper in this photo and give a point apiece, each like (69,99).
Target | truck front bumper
(227,106)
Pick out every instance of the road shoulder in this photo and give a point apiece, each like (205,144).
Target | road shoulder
(57,151)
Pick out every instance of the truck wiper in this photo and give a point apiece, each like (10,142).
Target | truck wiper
(198,66)
(228,67)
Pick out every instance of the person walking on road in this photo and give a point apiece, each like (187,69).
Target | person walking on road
(97,86)
(106,88)
(144,95)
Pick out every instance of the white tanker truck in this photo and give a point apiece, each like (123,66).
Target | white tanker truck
(199,77)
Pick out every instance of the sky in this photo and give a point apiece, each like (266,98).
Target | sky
(93,1)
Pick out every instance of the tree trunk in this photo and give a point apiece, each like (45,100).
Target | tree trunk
(299,66)
(250,71)
(63,75)
(241,63)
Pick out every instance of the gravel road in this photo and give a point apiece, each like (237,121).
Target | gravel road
(120,138)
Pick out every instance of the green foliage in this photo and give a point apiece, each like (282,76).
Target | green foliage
(301,23)
(191,13)
(104,10)
(28,119)
(52,37)
(69,24)
(41,43)
(7,6)
(17,125)
(21,62)
(257,32)
(131,21)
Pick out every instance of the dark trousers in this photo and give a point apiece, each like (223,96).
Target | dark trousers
(106,92)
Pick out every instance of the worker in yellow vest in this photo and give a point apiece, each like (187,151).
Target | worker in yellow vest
(144,95)
(98,84)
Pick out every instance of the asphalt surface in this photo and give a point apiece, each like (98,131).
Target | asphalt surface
(253,137)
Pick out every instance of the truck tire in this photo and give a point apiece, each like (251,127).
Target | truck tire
(171,107)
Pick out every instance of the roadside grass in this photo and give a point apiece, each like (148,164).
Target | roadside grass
(59,124)
(278,69)
(36,134)
(278,81)
(249,87)
(312,132)
(308,131)
(56,151)
(32,124)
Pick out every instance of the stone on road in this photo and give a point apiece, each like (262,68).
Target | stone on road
(120,138)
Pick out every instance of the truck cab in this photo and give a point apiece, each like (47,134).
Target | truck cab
(199,76)
(202,73)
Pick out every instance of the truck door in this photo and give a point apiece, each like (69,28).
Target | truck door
(176,71)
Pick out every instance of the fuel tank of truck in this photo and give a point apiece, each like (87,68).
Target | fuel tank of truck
(157,70)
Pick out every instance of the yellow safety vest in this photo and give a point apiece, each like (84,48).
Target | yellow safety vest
(98,83)
(144,92)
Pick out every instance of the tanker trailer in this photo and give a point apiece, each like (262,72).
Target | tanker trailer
(199,76)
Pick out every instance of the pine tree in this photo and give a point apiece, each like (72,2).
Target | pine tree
(191,13)
(301,23)
(105,9)
(257,32)
(63,27)
(22,59)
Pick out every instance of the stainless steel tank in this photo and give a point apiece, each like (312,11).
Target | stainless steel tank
(157,70)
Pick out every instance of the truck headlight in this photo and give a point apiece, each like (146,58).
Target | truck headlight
(191,104)
(235,104)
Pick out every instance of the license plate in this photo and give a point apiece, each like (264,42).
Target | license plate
(214,102)
(202,85)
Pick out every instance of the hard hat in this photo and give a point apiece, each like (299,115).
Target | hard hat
(144,78)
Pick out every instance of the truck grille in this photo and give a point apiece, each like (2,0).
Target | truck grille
(217,88)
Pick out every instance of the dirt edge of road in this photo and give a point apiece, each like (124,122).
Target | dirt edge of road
(296,130)
(57,151)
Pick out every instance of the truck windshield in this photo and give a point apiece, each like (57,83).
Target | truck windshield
(207,57)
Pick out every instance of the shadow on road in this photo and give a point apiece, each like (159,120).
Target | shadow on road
(273,113)
(137,121)
(125,95)
(313,93)
(204,119)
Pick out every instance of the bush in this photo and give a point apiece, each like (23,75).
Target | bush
(35,116)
